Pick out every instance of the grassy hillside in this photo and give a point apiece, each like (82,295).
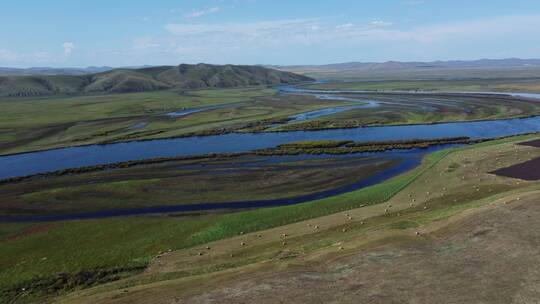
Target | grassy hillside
(183,76)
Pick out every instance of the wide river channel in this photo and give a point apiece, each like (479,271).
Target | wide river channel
(57,159)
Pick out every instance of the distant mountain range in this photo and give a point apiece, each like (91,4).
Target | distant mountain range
(397,65)
(454,69)
(126,80)
(53,71)
(92,80)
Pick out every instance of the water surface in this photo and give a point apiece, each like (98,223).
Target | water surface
(364,104)
(64,158)
(405,160)
(51,160)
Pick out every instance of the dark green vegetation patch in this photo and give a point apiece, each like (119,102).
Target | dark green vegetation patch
(348,147)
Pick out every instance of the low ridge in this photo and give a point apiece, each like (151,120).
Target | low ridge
(184,76)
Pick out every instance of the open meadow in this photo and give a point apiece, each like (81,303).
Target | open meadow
(183,182)
(166,249)
(434,217)
(232,151)
(204,183)
(28,124)
(449,85)
(167,227)
(38,123)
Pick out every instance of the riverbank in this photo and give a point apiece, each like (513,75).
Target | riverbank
(503,85)
(350,147)
(33,124)
(235,111)
(329,147)
(194,185)
(441,184)
(187,233)
(94,155)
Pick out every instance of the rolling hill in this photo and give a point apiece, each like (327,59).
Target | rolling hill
(184,76)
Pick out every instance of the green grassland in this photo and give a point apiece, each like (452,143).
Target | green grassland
(472,85)
(405,108)
(36,123)
(407,74)
(207,180)
(439,192)
(31,253)
(339,147)
(28,124)
(129,243)
(49,111)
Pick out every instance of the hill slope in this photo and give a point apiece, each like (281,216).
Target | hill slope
(184,76)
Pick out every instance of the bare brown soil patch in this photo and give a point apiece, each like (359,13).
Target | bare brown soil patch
(533,143)
(30,231)
(529,170)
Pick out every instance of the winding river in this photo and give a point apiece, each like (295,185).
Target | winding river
(363,104)
(64,158)
(296,90)
(405,161)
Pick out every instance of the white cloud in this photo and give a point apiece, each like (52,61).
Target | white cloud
(12,57)
(264,32)
(311,31)
(196,14)
(68,47)
(343,26)
(145,44)
(8,56)
(285,39)
(380,23)
(493,28)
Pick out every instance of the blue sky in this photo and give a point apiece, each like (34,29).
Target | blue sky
(136,32)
